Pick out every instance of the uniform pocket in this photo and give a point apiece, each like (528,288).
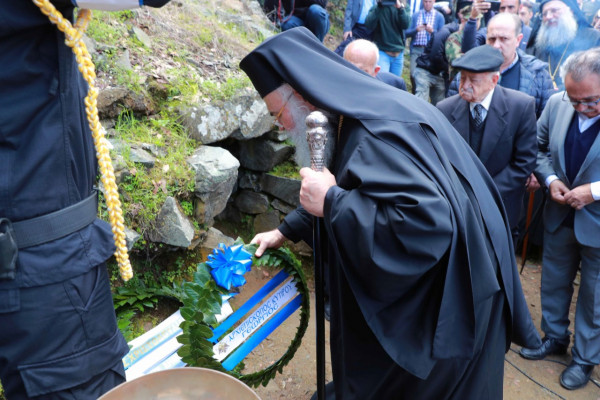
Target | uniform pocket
(91,298)
(10,300)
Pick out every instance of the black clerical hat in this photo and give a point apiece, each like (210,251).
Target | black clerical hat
(263,76)
(480,59)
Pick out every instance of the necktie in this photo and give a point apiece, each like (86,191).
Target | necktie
(478,115)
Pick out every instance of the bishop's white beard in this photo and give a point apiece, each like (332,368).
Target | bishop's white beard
(297,135)
(557,36)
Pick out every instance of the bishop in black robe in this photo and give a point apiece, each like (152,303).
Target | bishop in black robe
(425,294)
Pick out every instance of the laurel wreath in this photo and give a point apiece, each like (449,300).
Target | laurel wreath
(202,301)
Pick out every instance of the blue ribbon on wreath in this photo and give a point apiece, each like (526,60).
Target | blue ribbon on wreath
(229,264)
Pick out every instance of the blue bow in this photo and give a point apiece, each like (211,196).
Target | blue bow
(229,264)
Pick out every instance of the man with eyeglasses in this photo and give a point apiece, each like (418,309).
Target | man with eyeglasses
(569,165)
(563,31)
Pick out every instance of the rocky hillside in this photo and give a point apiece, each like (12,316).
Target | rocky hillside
(170,86)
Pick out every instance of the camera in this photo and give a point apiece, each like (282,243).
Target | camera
(495,5)
(386,3)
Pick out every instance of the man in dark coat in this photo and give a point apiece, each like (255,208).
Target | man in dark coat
(58,332)
(425,295)
(505,139)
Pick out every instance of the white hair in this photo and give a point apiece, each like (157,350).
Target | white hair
(299,109)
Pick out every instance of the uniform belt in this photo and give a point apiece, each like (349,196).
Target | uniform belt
(57,224)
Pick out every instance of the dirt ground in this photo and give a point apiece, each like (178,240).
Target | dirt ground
(523,379)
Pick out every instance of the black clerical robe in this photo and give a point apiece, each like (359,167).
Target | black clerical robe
(425,294)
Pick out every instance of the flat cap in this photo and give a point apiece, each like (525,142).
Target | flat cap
(480,59)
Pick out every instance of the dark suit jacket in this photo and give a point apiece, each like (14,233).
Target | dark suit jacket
(508,147)
(391,79)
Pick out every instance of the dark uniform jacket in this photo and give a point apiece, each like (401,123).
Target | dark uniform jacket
(47,163)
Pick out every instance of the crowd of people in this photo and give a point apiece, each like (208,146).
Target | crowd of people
(517,83)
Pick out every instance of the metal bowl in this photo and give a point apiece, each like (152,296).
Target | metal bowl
(183,384)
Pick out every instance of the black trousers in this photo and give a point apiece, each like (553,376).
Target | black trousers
(62,342)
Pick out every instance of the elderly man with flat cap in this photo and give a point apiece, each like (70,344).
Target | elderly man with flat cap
(425,295)
(499,124)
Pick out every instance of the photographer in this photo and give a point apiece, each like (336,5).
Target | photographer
(422,27)
(58,331)
(388,20)
(288,14)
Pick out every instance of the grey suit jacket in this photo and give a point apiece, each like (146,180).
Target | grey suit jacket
(508,147)
(552,131)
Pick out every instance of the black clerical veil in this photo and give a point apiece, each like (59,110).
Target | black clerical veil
(480,250)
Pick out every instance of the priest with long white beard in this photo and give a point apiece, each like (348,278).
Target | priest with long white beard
(425,294)
(562,31)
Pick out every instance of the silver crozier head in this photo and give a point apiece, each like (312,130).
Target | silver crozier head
(316,136)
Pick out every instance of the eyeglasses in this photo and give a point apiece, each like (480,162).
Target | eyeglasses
(575,103)
(282,108)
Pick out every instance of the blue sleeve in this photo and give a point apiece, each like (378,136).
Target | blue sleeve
(412,29)
(348,16)
(469,35)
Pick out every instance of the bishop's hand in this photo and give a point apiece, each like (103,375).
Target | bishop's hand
(314,188)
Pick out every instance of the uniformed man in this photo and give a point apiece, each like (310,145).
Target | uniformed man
(58,332)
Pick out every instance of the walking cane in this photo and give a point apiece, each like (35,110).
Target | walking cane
(316,135)
(527,224)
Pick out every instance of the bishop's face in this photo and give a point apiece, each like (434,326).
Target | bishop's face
(277,105)
(290,111)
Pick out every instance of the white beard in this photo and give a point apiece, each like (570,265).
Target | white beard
(559,35)
(298,136)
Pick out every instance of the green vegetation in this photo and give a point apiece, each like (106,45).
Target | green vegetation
(288,169)
(226,90)
(145,190)
(155,282)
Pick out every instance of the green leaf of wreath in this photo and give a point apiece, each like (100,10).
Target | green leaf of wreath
(202,301)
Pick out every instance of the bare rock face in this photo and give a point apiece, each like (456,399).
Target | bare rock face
(172,227)
(131,237)
(243,117)
(266,221)
(250,202)
(137,153)
(263,155)
(285,189)
(216,174)
(112,101)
